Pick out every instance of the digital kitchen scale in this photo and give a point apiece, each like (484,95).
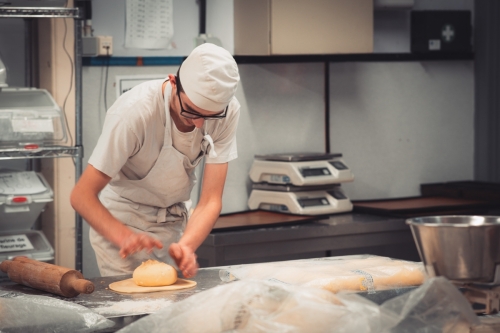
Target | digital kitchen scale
(302,200)
(300,169)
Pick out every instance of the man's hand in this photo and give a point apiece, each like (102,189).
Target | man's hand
(184,258)
(137,242)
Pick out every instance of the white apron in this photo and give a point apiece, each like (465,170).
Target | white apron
(154,204)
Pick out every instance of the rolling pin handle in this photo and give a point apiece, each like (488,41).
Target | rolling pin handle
(83,286)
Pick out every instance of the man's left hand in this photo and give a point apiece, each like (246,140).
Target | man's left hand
(185,258)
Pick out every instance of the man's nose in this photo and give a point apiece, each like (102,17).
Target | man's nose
(198,122)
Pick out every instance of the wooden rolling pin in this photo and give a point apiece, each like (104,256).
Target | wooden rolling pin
(47,277)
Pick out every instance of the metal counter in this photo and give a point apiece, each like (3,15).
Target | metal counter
(207,278)
(103,298)
(340,234)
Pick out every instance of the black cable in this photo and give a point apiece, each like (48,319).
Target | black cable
(70,83)
(106,81)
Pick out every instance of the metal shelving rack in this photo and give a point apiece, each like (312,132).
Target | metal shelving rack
(76,151)
(39,12)
(40,152)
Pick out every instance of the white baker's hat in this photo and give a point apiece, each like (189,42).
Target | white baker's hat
(209,77)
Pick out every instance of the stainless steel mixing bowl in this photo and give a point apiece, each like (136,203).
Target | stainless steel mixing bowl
(460,248)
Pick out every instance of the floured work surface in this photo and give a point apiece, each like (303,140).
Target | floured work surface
(129,287)
(259,219)
(416,206)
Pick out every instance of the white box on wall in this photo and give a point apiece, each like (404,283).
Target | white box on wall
(265,27)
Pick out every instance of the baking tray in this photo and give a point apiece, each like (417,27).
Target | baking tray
(422,206)
(254,219)
(476,190)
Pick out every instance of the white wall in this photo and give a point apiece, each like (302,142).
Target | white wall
(402,124)
(186,26)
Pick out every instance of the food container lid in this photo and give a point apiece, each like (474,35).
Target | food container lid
(21,183)
(29,243)
(30,115)
(23,196)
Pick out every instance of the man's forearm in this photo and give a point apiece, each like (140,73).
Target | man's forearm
(200,224)
(92,210)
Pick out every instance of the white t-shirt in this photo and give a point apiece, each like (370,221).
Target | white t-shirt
(134,130)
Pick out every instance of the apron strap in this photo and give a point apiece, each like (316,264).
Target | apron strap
(173,213)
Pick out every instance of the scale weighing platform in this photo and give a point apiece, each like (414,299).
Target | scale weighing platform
(302,200)
(300,169)
(23,196)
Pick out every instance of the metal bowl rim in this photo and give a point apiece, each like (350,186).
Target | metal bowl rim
(412,222)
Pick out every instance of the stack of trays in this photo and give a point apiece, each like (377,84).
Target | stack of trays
(304,184)
(23,197)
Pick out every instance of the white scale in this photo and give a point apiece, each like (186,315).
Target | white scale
(304,184)
(303,200)
(300,169)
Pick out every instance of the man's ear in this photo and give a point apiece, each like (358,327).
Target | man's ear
(173,79)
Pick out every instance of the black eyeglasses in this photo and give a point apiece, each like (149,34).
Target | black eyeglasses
(192,114)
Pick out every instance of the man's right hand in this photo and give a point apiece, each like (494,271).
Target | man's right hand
(138,242)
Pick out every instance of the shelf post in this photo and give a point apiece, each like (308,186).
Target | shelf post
(327,105)
(78,137)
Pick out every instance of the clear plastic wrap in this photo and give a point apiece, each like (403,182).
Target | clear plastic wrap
(40,314)
(436,307)
(349,273)
(263,306)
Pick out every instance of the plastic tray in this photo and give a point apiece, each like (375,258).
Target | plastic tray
(28,116)
(42,250)
(23,196)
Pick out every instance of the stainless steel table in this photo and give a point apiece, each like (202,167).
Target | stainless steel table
(340,234)
(207,278)
(103,298)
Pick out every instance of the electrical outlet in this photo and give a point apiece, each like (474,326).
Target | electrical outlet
(104,45)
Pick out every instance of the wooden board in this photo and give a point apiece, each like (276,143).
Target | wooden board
(129,287)
(259,218)
(419,206)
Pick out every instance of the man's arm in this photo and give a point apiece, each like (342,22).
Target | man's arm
(203,219)
(85,200)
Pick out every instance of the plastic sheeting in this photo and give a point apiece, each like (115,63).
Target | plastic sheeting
(259,306)
(354,273)
(436,307)
(264,306)
(40,314)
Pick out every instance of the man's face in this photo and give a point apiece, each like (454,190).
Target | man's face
(189,114)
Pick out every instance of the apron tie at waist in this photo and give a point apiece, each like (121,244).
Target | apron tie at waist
(173,213)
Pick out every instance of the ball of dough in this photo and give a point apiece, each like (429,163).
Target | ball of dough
(152,273)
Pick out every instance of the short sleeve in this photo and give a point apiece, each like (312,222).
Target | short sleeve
(115,145)
(224,136)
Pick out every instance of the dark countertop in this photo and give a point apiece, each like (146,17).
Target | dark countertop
(335,235)
(334,225)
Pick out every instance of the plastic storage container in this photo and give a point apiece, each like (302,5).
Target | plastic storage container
(23,196)
(30,116)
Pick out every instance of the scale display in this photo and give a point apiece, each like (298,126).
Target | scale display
(302,203)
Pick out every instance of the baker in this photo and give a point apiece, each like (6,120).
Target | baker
(133,192)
